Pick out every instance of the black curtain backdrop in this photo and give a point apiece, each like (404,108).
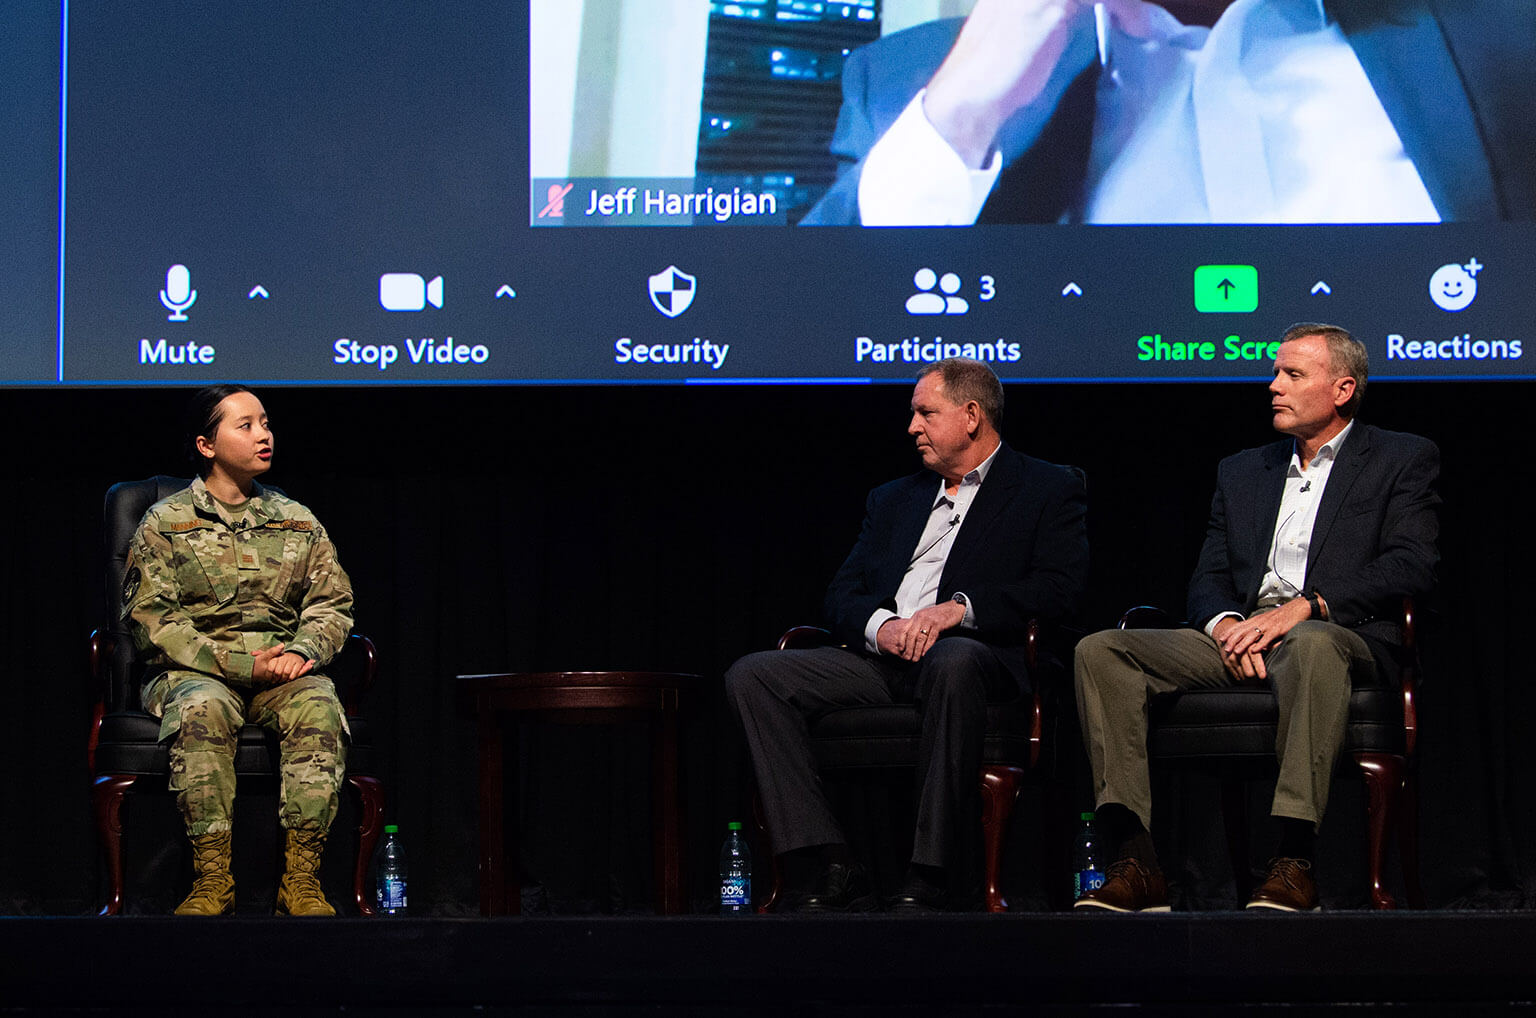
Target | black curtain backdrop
(675,529)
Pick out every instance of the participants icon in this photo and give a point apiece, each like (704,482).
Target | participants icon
(946,302)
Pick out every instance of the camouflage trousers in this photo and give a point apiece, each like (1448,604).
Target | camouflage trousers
(204,715)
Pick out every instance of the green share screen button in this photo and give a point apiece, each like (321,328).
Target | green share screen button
(1229,288)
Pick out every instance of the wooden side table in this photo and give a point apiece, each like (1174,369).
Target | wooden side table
(600,698)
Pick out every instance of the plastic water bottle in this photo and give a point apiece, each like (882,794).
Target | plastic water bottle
(735,873)
(1087,875)
(389,880)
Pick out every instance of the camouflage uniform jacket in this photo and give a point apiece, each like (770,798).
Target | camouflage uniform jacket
(201,595)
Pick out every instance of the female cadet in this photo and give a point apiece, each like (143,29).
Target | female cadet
(235,600)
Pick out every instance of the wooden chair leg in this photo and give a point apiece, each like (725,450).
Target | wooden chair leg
(107,794)
(1383,775)
(765,839)
(1408,836)
(370,794)
(1234,817)
(999,789)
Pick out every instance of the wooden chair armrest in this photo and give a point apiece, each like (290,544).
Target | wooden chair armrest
(804,638)
(1145,616)
(101,650)
(102,644)
(1410,676)
(1410,626)
(360,665)
(1057,637)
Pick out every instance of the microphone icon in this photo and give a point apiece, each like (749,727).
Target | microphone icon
(178,294)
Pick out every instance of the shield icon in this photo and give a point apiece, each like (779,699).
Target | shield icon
(672,291)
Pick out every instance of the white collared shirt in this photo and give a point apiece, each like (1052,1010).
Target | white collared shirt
(920,584)
(1286,575)
(1193,125)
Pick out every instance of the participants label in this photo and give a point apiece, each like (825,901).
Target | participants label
(916,350)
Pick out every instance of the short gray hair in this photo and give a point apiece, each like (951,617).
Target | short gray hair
(1346,358)
(966,379)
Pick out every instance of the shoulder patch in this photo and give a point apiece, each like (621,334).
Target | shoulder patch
(131,581)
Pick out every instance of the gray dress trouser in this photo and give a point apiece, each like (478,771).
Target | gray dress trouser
(776,693)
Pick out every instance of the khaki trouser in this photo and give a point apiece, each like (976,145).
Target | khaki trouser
(1118,671)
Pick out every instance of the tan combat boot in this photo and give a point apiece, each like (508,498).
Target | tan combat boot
(213,892)
(299,892)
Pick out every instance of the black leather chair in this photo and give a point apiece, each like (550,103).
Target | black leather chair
(1232,731)
(124,751)
(887,735)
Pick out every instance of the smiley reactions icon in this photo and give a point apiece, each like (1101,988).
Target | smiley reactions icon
(1453,286)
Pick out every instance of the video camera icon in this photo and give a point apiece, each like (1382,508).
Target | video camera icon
(409,291)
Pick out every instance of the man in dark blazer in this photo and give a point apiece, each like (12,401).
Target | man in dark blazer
(1313,543)
(932,606)
(1448,76)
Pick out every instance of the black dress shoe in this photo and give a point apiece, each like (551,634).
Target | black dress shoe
(917,896)
(841,888)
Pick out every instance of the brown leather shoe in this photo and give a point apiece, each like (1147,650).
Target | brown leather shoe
(1128,887)
(1288,888)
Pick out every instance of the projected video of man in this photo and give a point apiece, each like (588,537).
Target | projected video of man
(1032,111)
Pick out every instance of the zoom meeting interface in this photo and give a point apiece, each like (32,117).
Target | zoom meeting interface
(679,191)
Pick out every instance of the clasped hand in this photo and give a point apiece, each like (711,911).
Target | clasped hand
(909,639)
(1244,642)
(275,666)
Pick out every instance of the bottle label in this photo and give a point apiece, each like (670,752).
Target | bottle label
(1084,881)
(392,894)
(735,892)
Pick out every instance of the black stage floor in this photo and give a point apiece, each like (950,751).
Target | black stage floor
(1207,963)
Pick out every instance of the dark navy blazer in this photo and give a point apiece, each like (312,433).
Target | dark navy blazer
(1373,541)
(1021,553)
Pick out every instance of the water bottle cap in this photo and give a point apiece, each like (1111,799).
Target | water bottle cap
(1085,815)
(734,825)
(391,828)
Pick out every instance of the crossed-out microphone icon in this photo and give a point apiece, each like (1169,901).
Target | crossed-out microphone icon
(555,207)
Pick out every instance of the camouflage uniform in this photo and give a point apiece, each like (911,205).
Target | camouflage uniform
(201,594)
